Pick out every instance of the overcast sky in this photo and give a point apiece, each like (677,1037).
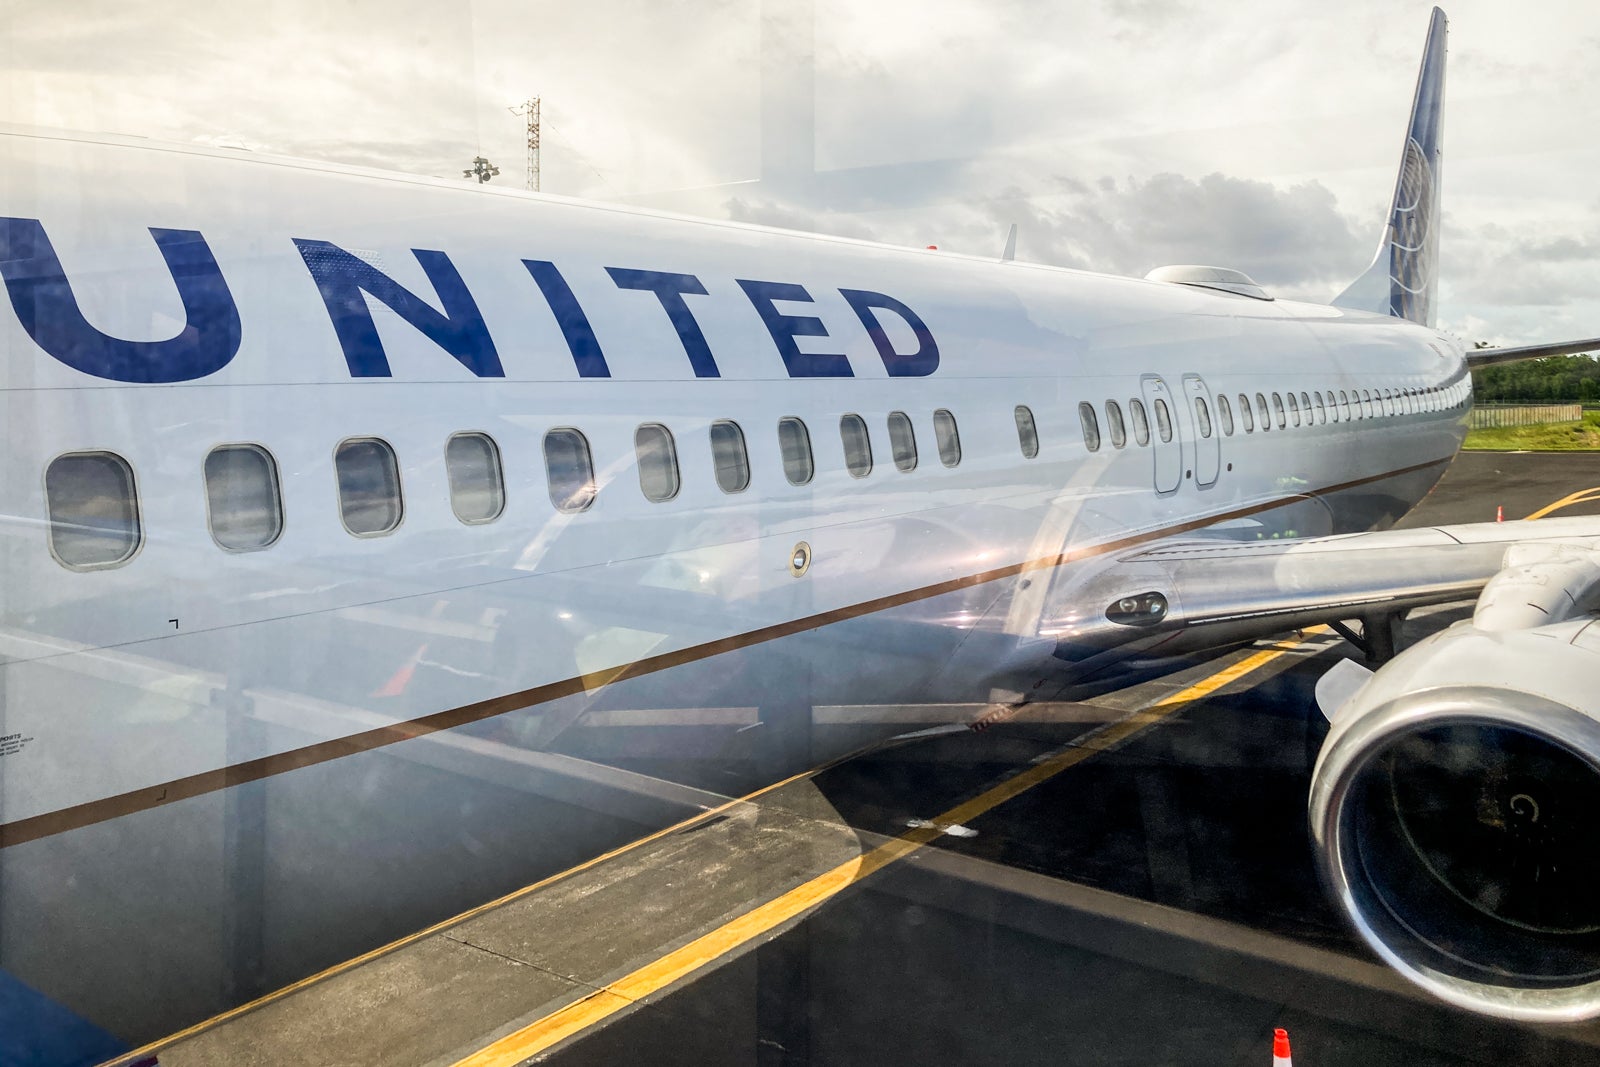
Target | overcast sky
(1119,134)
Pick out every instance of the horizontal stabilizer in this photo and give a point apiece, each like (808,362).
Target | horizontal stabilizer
(1488,357)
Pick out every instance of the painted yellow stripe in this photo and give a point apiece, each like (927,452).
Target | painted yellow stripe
(578,1016)
(150,1050)
(1582,496)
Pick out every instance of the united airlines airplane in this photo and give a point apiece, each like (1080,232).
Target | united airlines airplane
(315,472)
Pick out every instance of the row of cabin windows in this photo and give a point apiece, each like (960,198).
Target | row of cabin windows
(1316,408)
(93,504)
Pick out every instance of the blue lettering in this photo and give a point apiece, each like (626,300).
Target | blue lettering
(785,328)
(669,289)
(342,278)
(581,342)
(924,361)
(49,311)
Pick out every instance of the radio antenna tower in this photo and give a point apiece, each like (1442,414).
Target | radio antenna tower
(530,108)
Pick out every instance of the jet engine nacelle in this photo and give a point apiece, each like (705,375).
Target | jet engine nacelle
(1456,802)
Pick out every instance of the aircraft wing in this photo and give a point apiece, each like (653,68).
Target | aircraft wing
(1184,595)
(1488,357)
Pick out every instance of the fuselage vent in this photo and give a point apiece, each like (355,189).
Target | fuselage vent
(1220,278)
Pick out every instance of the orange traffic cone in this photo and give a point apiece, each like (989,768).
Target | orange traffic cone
(1499,513)
(1280,1048)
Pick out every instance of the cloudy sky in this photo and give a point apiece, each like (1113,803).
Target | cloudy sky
(1118,134)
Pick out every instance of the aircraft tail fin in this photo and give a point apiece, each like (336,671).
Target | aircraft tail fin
(1403,278)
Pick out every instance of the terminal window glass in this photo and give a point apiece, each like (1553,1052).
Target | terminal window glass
(1119,432)
(949,439)
(1225,414)
(1294,410)
(1163,420)
(569,471)
(242,505)
(1141,422)
(857,445)
(902,440)
(794,442)
(477,489)
(94,509)
(1245,415)
(369,486)
(1091,426)
(729,456)
(1027,432)
(658,462)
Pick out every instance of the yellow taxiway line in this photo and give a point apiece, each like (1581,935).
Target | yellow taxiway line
(1582,496)
(566,1022)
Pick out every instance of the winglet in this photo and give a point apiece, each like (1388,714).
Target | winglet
(1403,278)
(1010,252)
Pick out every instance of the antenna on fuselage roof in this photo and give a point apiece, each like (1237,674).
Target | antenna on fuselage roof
(1010,252)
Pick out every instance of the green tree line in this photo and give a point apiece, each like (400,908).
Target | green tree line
(1557,379)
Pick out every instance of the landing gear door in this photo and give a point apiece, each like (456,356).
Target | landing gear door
(1165,443)
(1207,435)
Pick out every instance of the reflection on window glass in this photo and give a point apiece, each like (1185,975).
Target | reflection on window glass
(94,509)
(1141,422)
(944,432)
(857,445)
(795,444)
(902,441)
(1091,426)
(1114,424)
(242,503)
(1225,414)
(1163,420)
(369,486)
(477,490)
(730,457)
(568,469)
(1027,433)
(1245,416)
(658,462)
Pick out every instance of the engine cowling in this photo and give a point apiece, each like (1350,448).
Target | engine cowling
(1455,806)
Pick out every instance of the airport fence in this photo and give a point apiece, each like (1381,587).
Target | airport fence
(1496,415)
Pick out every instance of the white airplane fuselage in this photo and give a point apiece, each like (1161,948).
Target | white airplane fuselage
(125,686)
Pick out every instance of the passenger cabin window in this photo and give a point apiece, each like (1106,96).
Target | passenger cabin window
(1202,416)
(1344,402)
(1277,408)
(1322,412)
(1141,422)
(944,431)
(857,445)
(1163,420)
(902,441)
(1225,414)
(1261,409)
(94,510)
(568,469)
(477,488)
(794,442)
(1294,410)
(1366,404)
(1305,406)
(657,454)
(1245,416)
(243,508)
(369,486)
(1091,426)
(729,457)
(1027,432)
(1114,423)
